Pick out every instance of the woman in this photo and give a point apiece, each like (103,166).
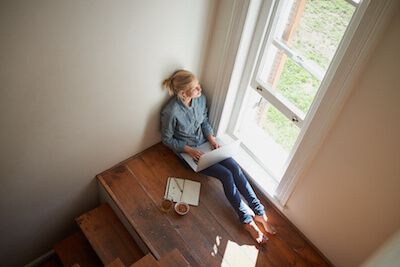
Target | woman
(185,126)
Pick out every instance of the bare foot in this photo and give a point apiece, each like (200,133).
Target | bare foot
(263,219)
(255,232)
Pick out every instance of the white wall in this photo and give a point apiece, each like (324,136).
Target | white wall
(80,92)
(216,51)
(348,201)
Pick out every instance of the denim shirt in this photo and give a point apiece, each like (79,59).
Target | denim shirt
(182,125)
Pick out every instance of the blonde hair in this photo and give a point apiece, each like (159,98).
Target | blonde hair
(178,82)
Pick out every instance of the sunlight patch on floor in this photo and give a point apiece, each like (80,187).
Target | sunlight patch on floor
(240,255)
(216,245)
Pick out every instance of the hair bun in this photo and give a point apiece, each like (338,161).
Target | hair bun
(167,83)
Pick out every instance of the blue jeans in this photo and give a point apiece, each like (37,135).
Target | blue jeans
(234,181)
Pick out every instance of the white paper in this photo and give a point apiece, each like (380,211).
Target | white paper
(183,190)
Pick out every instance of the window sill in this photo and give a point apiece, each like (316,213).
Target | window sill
(257,175)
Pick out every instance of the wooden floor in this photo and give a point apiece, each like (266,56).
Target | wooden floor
(213,235)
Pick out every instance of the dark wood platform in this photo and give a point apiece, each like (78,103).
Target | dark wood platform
(210,234)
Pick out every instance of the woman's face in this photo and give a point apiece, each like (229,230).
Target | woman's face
(193,89)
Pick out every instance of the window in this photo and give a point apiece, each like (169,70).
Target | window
(302,40)
(296,69)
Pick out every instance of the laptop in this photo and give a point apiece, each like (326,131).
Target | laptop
(211,157)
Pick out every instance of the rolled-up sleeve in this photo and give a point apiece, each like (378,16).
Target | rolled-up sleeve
(168,123)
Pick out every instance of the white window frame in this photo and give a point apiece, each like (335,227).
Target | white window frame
(242,47)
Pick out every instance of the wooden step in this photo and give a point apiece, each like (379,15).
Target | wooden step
(75,249)
(108,237)
(174,258)
(146,261)
(115,263)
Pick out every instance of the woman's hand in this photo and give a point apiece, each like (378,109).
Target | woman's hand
(213,143)
(194,153)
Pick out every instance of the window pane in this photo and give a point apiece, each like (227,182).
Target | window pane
(290,80)
(297,85)
(278,127)
(267,132)
(319,31)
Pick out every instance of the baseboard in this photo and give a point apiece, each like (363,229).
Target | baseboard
(41,259)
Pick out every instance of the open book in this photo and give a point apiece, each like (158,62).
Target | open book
(183,190)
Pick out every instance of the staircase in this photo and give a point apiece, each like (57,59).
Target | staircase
(104,241)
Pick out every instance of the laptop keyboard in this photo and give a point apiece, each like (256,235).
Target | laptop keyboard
(195,162)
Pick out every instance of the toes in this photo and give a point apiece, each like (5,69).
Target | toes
(262,239)
(255,232)
(270,229)
(265,239)
(267,226)
(273,232)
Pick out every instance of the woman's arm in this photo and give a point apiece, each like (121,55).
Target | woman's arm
(167,133)
(205,125)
